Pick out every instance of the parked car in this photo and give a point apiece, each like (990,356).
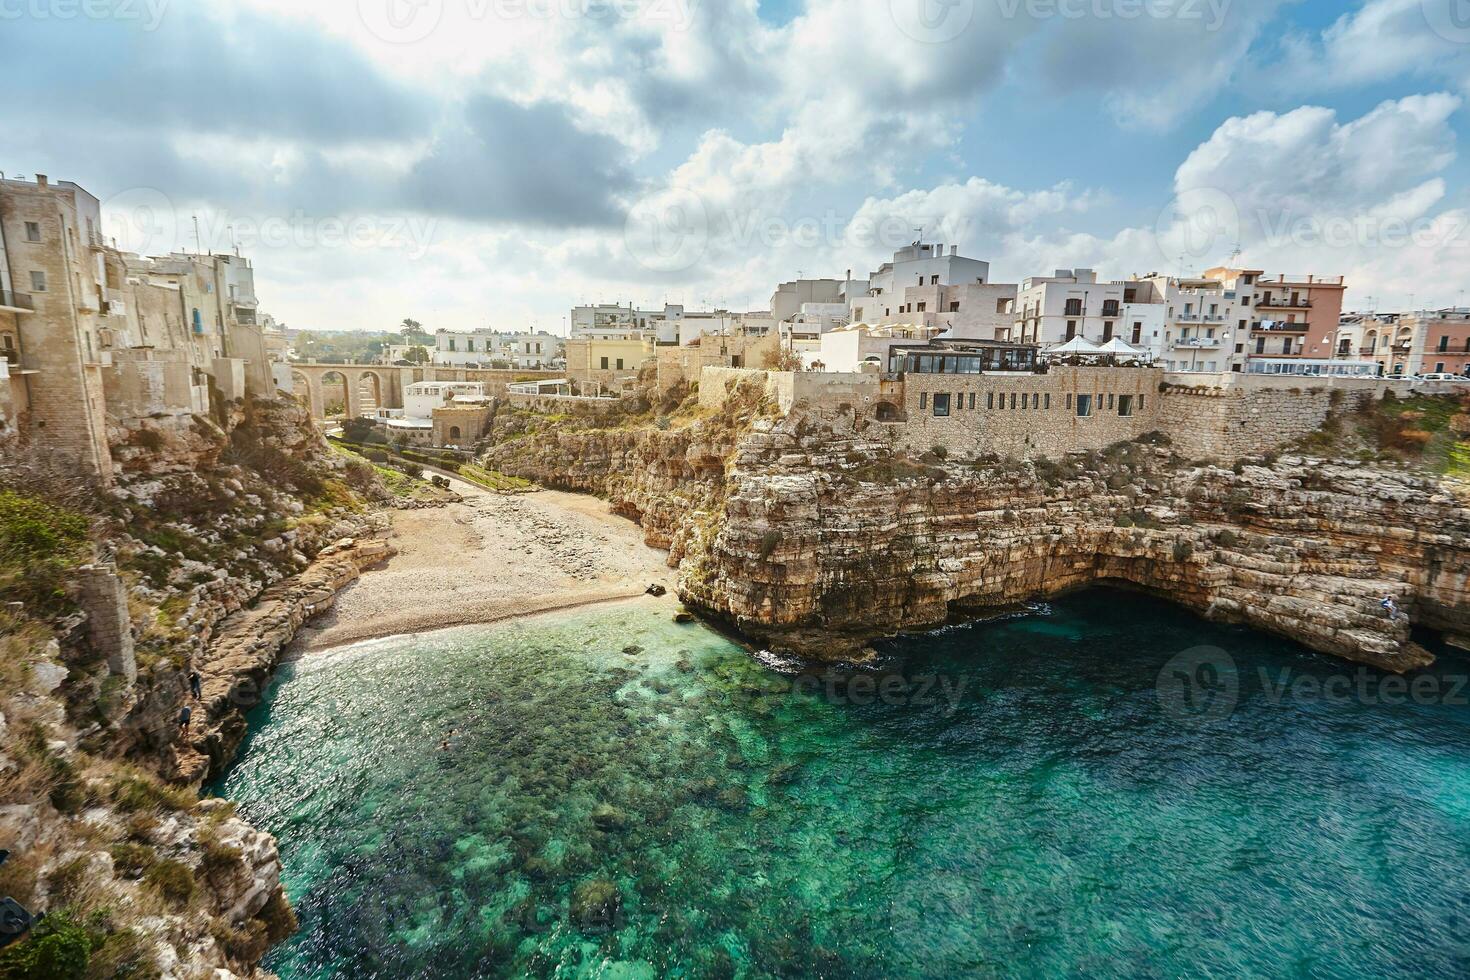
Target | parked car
(1442,376)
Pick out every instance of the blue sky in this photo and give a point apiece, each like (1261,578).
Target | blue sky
(492,162)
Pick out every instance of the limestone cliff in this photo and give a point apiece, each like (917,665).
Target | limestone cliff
(815,535)
(113,598)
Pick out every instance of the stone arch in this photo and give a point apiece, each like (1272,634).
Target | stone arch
(1370,341)
(454,434)
(368,390)
(310,394)
(888,412)
(337,394)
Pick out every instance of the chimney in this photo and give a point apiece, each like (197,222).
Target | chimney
(41,180)
(954,250)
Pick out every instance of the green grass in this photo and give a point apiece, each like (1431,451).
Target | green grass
(492,480)
(39,544)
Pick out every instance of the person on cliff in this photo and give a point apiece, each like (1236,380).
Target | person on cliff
(1390,606)
(196,685)
(184,717)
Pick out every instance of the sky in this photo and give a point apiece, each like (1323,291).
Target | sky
(491,163)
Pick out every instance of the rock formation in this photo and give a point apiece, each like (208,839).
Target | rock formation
(218,540)
(810,532)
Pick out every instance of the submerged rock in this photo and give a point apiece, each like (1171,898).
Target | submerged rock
(610,818)
(595,905)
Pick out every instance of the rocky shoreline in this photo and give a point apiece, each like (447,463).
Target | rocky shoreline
(811,534)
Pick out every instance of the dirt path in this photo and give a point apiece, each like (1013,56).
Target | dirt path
(492,557)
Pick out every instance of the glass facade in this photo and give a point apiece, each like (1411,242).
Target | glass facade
(969,362)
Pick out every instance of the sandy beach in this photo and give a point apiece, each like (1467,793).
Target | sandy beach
(491,557)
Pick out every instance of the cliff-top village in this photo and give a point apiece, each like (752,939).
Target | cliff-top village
(104,349)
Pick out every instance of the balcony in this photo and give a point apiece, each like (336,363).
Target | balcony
(1370,351)
(16,302)
(1280,327)
(1285,304)
(1201,342)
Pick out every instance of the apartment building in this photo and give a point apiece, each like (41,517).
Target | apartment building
(57,309)
(1294,316)
(1421,342)
(1205,321)
(484,348)
(926,286)
(1070,303)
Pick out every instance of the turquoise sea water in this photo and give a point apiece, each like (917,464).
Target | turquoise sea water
(1040,809)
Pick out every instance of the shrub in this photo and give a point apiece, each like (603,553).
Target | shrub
(1227,538)
(59,948)
(135,793)
(769,542)
(171,879)
(132,860)
(39,545)
(410,468)
(149,439)
(940,451)
(219,858)
(1183,550)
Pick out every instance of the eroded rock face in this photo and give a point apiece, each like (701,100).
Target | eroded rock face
(817,538)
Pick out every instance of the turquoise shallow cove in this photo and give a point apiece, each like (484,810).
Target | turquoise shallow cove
(712,821)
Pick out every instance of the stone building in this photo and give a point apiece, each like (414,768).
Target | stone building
(100,344)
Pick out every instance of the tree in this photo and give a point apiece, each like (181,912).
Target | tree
(417,355)
(412,328)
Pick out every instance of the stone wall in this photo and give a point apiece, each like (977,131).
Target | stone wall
(819,390)
(144,382)
(564,404)
(1233,415)
(678,363)
(1027,415)
(109,626)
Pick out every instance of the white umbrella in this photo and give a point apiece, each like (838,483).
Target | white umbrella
(1122,348)
(1077,345)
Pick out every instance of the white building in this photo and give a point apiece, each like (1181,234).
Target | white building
(926,286)
(420,400)
(850,348)
(487,348)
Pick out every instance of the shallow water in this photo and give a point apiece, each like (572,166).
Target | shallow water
(1073,797)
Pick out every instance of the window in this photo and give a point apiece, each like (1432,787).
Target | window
(1112,401)
(451,344)
(1286,346)
(933,280)
(33,231)
(1137,331)
(1074,307)
(1013,401)
(1107,331)
(38,281)
(1084,406)
(1439,368)
(923,400)
(972,401)
(620,364)
(1071,329)
(954,307)
(923,307)
(1125,405)
(1046,402)
(990,399)
(1444,344)
(1260,345)
(1140,402)
(1069,403)
(604,364)
(454,432)
(1035,400)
